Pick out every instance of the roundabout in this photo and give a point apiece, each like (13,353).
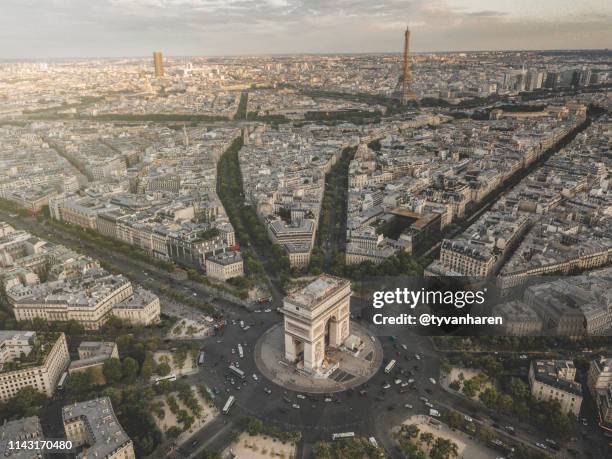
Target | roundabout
(353,368)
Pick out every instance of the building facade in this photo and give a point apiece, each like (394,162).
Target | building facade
(316,317)
(31,359)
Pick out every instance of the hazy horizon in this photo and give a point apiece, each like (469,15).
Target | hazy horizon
(73,29)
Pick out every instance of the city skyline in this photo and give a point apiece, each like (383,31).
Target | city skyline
(43,29)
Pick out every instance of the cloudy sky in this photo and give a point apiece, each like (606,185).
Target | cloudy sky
(113,28)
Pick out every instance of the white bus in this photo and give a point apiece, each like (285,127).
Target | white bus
(171,377)
(62,381)
(390,366)
(228,405)
(237,371)
(341,435)
(240,351)
(201,358)
(373,442)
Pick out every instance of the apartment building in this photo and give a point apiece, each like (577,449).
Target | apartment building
(34,359)
(93,426)
(554,380)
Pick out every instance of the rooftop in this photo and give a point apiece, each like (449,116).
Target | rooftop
(105,433)
(317,291)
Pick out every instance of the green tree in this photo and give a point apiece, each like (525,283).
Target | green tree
(80,383)
(173,432)
(470,388)
(453,419)
(129,369)
(148,367)
(115,395)
(427,438)
(412,451)
(112,371)
(163,369)
(444,449)
(26,402)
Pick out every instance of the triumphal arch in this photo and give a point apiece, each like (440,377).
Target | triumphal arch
(317,317)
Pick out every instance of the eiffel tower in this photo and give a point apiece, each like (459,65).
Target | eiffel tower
(403,90)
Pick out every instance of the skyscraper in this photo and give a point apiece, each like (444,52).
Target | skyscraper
(403,91)
(159,64)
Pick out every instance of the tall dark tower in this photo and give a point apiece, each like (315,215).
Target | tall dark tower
(158,62)
(406,78)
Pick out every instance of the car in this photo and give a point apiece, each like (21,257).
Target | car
(327,400)
(372,338)
(363,392)
(386,385)
(429,405)
(431,380)
(397,381)
(522,357)
(467,418)
(267,391)
(255,377)
(267,310)
(193,443)
(301,397)
(417,356)
(405,384)
(296,406)
(540,445)
(423,399)
(408,406)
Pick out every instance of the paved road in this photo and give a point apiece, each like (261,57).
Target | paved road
(372,414)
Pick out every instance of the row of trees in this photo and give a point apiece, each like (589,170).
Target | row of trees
(348,448)
(249,229)
(414,444)
(515,399)
(254,426)
(333,207)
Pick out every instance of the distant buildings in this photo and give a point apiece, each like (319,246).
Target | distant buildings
(93,426)
(34,359)
(158,63)
(554,380)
